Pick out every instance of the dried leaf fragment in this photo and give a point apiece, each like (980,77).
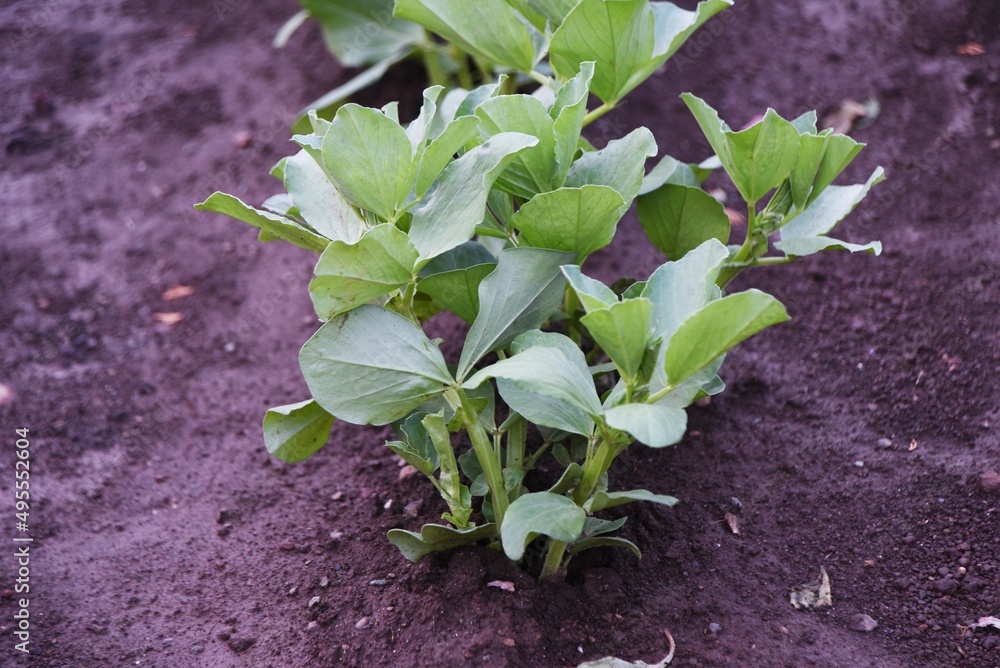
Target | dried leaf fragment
(913,446)
(168,319)
(970,49)
(501,584)
(614,662)
(177,292)
(734,523)
(986,622)
(813,595)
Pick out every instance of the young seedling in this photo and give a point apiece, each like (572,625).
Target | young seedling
(486,206)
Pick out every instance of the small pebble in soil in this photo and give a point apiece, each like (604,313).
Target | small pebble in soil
(862,623)
(363,623)
(293,591)
(197,649)
(989,482)
(379,583)
(884,443)
(325,582)
(860,464)
(241,644)
(313,601)
(312,626)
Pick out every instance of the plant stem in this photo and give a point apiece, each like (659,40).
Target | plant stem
(737,264)
(594,469)
(432,62)
(544,80)
(597,113)
(464,74)
(483,449)
(553,558)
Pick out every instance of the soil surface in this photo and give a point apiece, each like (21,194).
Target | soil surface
(853,439)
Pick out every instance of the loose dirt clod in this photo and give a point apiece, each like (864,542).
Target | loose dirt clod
(862,623)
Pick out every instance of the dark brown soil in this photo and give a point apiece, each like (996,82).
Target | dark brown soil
(164,534)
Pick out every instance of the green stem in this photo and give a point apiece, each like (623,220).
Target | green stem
(553,558)
(483,449)
(544,80)
(432,62)
(597,113)
(738,263)
(517,439)
(484,231)
(464,74)
(594,469)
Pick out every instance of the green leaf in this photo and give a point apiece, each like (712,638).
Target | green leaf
(526,288)
(361,32)
(604,500)
(547,388)
(531,172)
(821,160)
(419,130)
(616,34)
(653,425)
(568,111)
(757,159)
(458,290)
(372,366)
(490,29)
(679,289)
(270,225)
(527,10)
(805,233)
(350,275)
(672,27)
(554,11)
(669,170)
(369,158)
(593,294)
(620,165)
(437,538)
(568,480)
(717,328)
(536,514)
(449,218)
(678,219)
(839,152)
(604,541)
(623,331)
(579,220)
(295,432)
(319,202)
(442,150)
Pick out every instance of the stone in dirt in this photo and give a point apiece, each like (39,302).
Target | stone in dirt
(241,644)
(989,482)
(862,623)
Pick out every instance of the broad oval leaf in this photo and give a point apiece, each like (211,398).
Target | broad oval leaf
(619,165)
(436,538)
(579,220)
(678,219)
(532,170)
(717,328)
(270,225)
(350,275)
(568,111)
(623,331)
(372,366)
(526,288)
(295,432)
(679,289)
(362,32)
(441,151)
(593,294)
(653,425)
(616,34)
(603,500)
(541,513)
(449,218)
(490,29)
(458,290)
(318,200)
(758,158)
(805,234)
(369,157)
(547,388)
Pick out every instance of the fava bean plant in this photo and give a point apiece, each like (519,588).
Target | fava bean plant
(487,205)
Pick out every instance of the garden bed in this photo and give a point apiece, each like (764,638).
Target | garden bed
(853,438)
